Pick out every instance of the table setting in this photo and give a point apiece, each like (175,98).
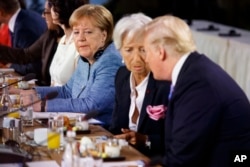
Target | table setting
(38,138)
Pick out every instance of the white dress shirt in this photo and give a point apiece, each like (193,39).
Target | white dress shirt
(136,101)
(12,21)
(64,62)
(177,68)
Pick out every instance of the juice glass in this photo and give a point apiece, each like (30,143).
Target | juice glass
(53,140)
(54,135)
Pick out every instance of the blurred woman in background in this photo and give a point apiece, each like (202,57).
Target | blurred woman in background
(44,48)
(66,56)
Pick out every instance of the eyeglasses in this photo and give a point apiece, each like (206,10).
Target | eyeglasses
(46,13)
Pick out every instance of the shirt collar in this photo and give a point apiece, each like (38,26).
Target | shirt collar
(139,87)
(177,68)
(12,21)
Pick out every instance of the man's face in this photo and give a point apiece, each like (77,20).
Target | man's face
(152,58)
(158,61)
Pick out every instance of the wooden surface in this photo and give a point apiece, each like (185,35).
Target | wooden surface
(41,153)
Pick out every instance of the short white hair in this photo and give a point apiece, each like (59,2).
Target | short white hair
(129,25)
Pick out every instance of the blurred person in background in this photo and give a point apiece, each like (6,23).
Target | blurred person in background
(42,49)
(65,59)
(137,92)
(5,38)
(47,47)
(35,5)
(25,28)
(98,2)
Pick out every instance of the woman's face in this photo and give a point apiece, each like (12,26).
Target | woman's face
(55,16)
(47,16)
(133,55)
(88,38)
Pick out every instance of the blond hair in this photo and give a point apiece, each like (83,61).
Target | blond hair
(171,32)
(99,15)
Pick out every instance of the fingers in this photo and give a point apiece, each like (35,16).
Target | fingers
(125,130)
(125,136)
(121,136)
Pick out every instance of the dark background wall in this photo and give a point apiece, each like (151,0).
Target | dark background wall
(229,12)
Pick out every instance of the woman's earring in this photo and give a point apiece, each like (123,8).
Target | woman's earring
(122,61)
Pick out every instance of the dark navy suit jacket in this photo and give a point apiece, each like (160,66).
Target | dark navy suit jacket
(29,26)
(208,118)
(156,94)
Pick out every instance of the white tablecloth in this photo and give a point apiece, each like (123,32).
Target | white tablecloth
(231,53)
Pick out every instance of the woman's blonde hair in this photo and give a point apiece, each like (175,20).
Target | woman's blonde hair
(99,15)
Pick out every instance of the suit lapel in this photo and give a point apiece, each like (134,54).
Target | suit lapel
(16,26)
(124,96)
(149,94)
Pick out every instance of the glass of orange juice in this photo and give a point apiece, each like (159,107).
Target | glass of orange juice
(53,136)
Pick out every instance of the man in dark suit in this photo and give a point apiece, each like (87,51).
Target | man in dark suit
(208,118)
(25,28)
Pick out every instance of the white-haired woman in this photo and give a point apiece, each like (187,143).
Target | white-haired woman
(136,90)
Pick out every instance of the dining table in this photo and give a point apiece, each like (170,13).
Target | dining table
(41,153)
(227,46)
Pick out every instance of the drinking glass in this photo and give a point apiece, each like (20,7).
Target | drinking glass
(54,135)
(81,123)
(60,126)
(26,112)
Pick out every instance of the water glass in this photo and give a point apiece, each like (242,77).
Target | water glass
(26,105)
(60,126)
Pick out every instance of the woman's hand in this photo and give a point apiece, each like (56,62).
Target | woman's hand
(132,137)
(36,106)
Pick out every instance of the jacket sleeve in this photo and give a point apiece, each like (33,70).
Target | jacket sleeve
(100,94)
